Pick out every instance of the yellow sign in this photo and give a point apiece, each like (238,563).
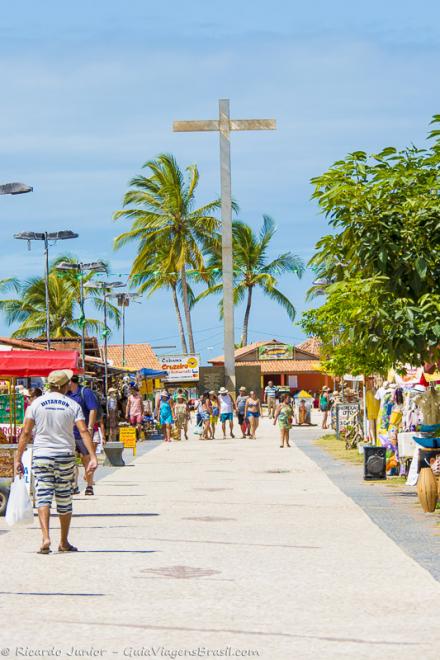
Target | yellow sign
(127,435)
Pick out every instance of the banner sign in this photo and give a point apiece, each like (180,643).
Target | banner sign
(345,412)
(127,435)
(180,368)
(5,409)
(275,352)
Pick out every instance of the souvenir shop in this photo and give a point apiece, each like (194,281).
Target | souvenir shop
(403,416)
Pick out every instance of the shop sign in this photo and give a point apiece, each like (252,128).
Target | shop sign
(344,413)
(5,409)
(127,435)
(180,368)
(275,352)
(7,433)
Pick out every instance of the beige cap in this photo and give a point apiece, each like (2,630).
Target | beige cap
(112,389)
(242,389)
(59,377)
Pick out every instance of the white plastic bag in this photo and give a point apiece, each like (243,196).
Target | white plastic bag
(19,510)
(198,430)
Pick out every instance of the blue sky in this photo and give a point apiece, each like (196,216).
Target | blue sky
(90,89)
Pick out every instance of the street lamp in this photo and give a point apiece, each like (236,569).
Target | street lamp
(81,269)
(106,288)
(14,188)
(123,300)
(46,237)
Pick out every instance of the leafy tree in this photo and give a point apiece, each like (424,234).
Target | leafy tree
(382,262)
(165,220)
(28,307)
(252,268)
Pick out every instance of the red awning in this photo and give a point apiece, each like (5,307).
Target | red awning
(21,364)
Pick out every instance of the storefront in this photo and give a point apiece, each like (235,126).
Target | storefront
(297,367)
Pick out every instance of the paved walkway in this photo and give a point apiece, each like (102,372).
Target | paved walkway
(235,546)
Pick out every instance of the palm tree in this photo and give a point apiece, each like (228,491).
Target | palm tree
(154,278)
(28,307)
(162,208)
(252,268)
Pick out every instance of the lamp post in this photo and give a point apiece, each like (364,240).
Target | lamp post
(46,237)
(81,269)
(14,188)
(106,288)
(123,299)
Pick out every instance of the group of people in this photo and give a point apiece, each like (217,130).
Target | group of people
(174,412)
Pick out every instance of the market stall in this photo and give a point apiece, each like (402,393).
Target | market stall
(22,364)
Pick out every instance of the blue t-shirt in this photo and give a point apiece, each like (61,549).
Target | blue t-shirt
(88,401)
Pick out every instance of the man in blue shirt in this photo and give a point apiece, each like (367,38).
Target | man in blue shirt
(90,405)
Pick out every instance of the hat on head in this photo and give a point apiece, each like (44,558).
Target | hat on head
(212,391)
(223,390)
(242,389)
(112,389)
(60,377)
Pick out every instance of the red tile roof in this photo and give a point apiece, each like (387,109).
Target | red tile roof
(284,366)
(21,344)
(311,345)
(246,349)
(137,356)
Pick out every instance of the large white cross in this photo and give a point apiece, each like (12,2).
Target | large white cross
(224,125)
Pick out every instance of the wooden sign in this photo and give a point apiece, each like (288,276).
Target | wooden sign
(127,435)
(345,413)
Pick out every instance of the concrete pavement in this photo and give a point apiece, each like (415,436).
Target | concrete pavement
(232,546)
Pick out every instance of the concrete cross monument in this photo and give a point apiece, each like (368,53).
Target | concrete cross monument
(224,125)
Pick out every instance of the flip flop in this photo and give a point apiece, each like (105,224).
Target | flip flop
(69,548)
(44,550)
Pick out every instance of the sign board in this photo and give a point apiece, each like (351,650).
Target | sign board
(127,435)
(293,381)
(275,352)
(7,433)
(344,413)
(5,409)
(180,368)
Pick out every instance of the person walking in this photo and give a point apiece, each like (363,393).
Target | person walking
(90,405)
(253,412)
(215,412)
(324,406)
(181,416)
(284,416)
(166,414)
(227,408)
(243,422)
(53,416)
(134,411)
(270,398)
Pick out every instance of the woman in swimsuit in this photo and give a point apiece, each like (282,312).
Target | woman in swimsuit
(166,415)
(252,412)
(284,415)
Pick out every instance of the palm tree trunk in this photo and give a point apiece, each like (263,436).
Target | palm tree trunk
(179,321)
(187,311)
(244,332)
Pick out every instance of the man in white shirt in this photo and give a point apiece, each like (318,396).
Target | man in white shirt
(227,408)
(53,416)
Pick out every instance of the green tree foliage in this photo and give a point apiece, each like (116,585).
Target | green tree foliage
(383,260)
(165,220)
(252,268)
(28,306)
